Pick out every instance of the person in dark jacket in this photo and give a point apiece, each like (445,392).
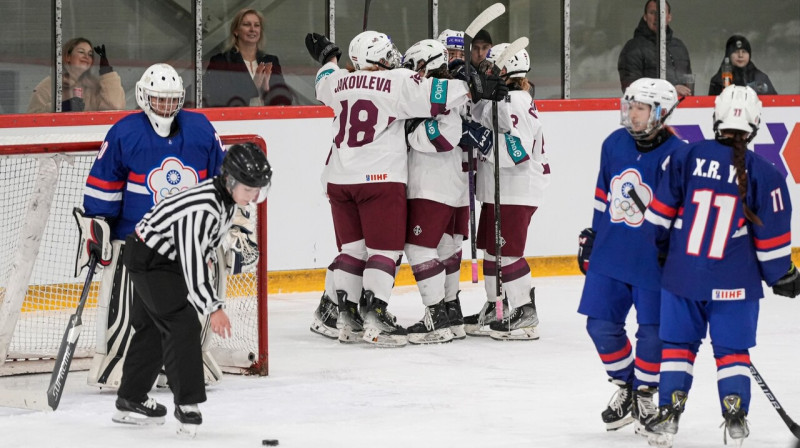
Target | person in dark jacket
(243,74)
(745,72)
(639,57)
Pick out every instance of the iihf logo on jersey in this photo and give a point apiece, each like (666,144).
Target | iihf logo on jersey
(623,207)
(376,177)
(170,178)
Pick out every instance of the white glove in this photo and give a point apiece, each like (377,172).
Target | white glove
(241,249)
(94,238)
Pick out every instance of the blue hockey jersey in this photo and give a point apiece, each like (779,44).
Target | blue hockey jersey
(136,168)
(714,252)
(623,248)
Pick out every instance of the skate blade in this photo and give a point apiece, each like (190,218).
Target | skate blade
(640,430)
(374,337)
(187,431)
(434,337)
(660,440)
(475,330)
(348,336)
(520,334)
(458,332)
(319,328)
(613,426)
(130,418)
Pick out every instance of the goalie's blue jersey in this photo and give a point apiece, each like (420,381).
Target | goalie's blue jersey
(623,248)
(136,168)
(714,252)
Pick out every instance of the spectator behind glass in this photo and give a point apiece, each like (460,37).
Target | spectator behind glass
(481,44)
(639,57)
(745,72)
(244,75)
(82,90)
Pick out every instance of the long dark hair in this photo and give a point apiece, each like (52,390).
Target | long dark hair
(88,78)
(739,140)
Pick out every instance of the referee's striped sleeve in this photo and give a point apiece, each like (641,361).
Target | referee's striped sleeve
(193,237)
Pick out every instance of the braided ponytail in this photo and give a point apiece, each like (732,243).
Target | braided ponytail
(739,151)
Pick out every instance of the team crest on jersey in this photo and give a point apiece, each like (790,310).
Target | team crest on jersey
(623,206)
(170,178)
(417,230)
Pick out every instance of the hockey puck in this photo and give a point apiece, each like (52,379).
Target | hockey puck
(270,442)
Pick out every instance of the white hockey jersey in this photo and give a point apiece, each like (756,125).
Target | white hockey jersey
(524,169)
(369,109)
(435,161)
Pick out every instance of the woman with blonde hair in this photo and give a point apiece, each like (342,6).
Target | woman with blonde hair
(243,74)
(82,90)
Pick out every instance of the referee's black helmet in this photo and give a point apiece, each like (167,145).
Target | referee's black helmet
(247,163)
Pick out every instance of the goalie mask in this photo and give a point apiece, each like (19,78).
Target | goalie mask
(247,164)
(516,67)
(160,94)
(426,55)
(373,49)
(737,108)
(659,94)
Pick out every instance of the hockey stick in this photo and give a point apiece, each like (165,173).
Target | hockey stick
(68,342)
(637,200)
(366,14)
(793,427)
(478,23)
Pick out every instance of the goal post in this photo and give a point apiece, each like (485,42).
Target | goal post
(40,183)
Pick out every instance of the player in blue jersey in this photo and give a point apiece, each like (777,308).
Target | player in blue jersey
(624,268)
(145,158)
(724,212)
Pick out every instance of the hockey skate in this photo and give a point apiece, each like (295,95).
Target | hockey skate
(662,428)
(617,414)
(148,412)
(643,408)
(349,322)
(434,328)
(735,423)
(520,325)
(478,324)
(325,317)
(380,328)
(189,419)
(456,318)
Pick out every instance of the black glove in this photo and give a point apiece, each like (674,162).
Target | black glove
(487,87)
(105,67)
(412,124)
(789,284)
(473,135)
(585,243)
(74,104)
(320,48)
(457,69)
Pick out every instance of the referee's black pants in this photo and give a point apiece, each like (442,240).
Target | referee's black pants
(167,329)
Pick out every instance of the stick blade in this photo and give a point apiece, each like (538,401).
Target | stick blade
(492,12)
(24,399)
(512,49)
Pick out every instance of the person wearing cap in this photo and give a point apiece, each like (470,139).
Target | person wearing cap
(745,72)
(481,44)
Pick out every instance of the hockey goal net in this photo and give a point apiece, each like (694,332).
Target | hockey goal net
(39,186)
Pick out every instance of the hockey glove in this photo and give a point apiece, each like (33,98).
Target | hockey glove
(320,48)
(789,284)
(585,243)
(457,69)
(105,67)
(412,124)
(487,87)
(241,250)
(74,104)
(473,135)
(94,240)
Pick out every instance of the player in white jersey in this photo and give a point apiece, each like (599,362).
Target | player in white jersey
(524,175)
(367,166)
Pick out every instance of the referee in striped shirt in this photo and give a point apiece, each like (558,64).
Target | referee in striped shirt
(169,258)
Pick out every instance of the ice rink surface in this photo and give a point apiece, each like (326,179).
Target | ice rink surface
(472,393)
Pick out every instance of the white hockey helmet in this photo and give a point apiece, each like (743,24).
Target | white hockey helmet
(160,84)
(737,108)
(659,94)
(452,40)
(431,53)
(373,49)
(516,67)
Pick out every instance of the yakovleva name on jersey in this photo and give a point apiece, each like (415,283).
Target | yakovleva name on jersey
(364,82)
(374,177)
(727,294)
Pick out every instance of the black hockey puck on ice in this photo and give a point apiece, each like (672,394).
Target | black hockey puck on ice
(270,442)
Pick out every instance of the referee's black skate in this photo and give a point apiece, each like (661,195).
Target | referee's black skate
(349,323)
(380,327)
(618,412)
(735,423)
(434,328)
(189,418)
(325,318)
(148,412)
(455,317)
(520,325)
(478,324)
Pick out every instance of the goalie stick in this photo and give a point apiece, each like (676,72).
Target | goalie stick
(478,23)
(793,427)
